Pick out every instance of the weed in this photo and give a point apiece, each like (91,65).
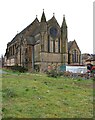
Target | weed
(9,93)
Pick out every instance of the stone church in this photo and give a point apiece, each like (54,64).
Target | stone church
(41,45)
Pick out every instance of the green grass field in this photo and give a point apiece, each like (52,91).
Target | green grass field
(38,96)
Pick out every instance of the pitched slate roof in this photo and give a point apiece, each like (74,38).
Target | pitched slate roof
(31,26)
(34,30)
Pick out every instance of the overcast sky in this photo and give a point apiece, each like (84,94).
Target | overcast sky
(15,15)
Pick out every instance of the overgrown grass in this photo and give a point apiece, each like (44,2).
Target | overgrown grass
(38,96)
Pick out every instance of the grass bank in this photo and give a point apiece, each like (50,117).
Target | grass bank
(38,96)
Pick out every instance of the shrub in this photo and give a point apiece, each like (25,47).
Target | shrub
(60,73)
(19,68)
(52,73)
(67,74)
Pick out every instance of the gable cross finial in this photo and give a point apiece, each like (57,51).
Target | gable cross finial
(53,14)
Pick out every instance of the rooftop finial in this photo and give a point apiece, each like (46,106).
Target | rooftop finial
(53,14)
(43,10)
(36,16)
(63,15)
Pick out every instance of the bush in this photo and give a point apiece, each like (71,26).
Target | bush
(68,74)
(19,68)
(60,73)
(52,73)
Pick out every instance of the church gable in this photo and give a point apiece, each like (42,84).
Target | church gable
(53,28)
(74,53)
(73,45)
(53,22)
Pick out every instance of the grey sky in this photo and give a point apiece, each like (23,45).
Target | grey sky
(15,15)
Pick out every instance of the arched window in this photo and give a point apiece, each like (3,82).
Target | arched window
(77,57)
(48,44)
(59,45)
(13,49)
(74,56)
(53,45)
